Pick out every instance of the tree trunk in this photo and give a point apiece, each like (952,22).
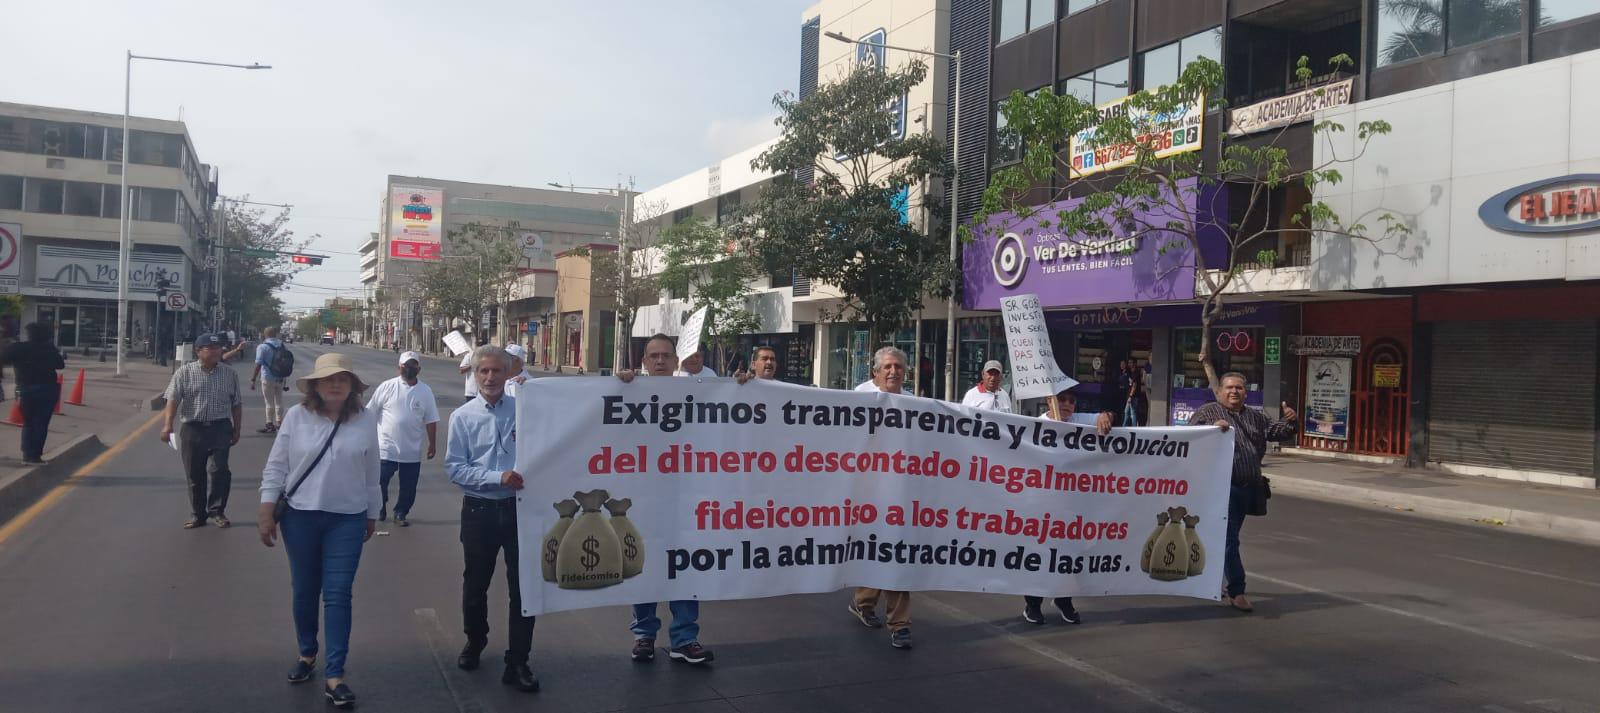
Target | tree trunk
(1208,313)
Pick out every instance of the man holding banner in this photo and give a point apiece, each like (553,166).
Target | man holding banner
(661,359)
(889,376)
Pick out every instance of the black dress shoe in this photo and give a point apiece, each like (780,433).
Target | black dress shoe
(468,660)
(340,696)
(520,676)
(302,670)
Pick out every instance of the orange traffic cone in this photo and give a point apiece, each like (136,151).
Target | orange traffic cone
(61,380)
(76,399)
(15,419)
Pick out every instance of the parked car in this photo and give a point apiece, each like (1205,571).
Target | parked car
(327,338)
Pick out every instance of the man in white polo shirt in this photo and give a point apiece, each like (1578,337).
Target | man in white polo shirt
(406,410)
(988,395)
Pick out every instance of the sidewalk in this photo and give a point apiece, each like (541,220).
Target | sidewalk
(112,409)
(1548,511)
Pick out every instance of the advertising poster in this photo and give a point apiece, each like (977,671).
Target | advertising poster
(416,222)
(1170,135)
(664,489)
(1328,397)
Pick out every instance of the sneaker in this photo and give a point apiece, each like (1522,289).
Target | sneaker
(266,429)
(401,521)
(900,638)
(1032,614)
(221,521)
(1069,614)
(644,650)
(692,653)
(867,617)
(194,522)
(302,670)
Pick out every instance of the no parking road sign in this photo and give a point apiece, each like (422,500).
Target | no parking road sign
(177,301)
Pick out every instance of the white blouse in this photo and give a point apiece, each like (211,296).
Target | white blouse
(345,481)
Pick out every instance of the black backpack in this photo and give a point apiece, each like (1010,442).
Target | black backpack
(281,364)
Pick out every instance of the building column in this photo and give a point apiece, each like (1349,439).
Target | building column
(1160,375)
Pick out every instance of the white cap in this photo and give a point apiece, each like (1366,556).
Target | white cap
(993,365)
(408,356)
(517,351)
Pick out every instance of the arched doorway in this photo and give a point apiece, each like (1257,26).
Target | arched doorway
(1382,400)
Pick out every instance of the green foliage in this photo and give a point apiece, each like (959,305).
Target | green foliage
(702,261)
(1124,202)
(479,272)
(249,283)
(844,229)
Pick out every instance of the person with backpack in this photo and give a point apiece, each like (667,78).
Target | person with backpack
(274,364)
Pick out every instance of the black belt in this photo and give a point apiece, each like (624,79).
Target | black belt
(472,501)
(216,422)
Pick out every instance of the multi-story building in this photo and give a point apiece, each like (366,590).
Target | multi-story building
(60,172)
(420,216)
(1397,351)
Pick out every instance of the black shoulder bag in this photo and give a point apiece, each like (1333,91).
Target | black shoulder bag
(281,508)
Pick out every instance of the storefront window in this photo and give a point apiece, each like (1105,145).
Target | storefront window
(982,339)
(1232,349)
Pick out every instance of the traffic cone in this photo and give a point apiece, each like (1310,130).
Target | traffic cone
(76,399)
(15,419)
(61,381)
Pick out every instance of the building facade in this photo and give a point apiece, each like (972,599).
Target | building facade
(60,173)
(420,216)
(1393,351)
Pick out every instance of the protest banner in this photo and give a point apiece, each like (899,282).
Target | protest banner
(1034,372)
(734,491)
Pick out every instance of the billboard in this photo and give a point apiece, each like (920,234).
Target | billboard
(416,222)
(1169,135)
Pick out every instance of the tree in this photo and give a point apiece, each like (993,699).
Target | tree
(257,262)
(849,227)
(1173,199)
(478,272)
(701,261)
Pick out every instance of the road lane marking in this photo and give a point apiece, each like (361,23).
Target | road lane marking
(428,624)
(1475,631)
(1520,570)
(1072,662)
(60,491)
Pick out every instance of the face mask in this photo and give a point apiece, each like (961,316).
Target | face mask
(410,372)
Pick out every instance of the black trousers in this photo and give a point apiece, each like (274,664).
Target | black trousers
(38,405)
(489,527)
(204,447)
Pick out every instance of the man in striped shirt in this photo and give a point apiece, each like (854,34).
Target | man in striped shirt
(1249,447)
(205,396)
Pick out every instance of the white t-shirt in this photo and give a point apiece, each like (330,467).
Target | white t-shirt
(997,400)
(705,372)
(867,386)
(403,411)
(511,383)
(471,388)
(1084,419)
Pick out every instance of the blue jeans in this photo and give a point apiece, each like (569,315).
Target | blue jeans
(408,484)
(1232,566)
(685,621)
(324,549)
(38,405)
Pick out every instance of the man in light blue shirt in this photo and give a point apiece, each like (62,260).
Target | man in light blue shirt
(272,386)
(480,457)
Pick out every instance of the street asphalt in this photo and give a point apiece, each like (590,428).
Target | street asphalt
(108,605)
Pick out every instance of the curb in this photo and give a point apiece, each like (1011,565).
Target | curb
(1523,521)
(21,488)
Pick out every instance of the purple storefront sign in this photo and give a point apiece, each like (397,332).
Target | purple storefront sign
(1012,255)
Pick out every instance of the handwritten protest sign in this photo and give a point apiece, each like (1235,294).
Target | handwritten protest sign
(690,489)
(689,340)
(456,343)
(1034,373)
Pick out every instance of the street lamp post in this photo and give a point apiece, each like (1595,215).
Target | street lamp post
(955,185)
(126,223)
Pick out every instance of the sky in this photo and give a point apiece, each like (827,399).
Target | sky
(493,91)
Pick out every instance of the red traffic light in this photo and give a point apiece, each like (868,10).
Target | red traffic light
(305,260)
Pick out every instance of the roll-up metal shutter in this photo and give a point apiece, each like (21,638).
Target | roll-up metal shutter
(1516,395)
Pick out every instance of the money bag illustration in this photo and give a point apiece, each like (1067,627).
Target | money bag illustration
(627,536)
(1150,542)
(552,538)
(1197,551)
(1169,561)
(589,556)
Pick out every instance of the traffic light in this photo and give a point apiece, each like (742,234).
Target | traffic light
(306,260)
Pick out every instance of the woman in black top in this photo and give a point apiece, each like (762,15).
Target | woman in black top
(34,364)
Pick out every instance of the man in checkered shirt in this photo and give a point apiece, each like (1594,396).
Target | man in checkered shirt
(205,395)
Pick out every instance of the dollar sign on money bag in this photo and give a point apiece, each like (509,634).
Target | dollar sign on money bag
(632,542)
(1171,560)
(1197,551)
(552,538)
(590,556)
(1150,542)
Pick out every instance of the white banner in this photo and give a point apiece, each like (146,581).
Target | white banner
(667,489)
(1034,372)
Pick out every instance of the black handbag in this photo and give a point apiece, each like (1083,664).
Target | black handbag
(1259,495)
(281,508)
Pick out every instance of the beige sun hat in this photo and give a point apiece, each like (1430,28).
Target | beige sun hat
(327,365)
